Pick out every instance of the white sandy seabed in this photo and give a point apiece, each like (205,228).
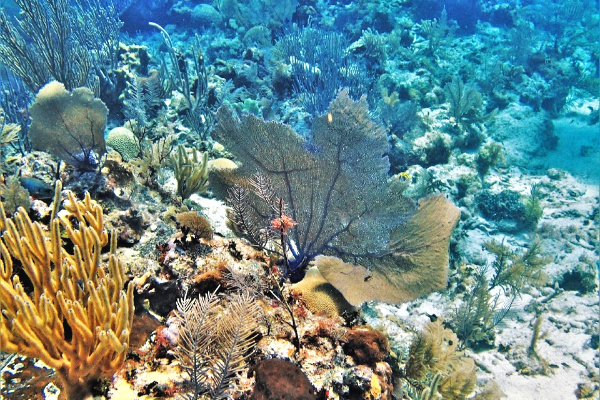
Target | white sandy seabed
(569,318)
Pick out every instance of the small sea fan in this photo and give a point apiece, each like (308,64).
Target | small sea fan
(68,125)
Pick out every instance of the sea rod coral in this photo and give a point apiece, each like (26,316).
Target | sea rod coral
(77,316)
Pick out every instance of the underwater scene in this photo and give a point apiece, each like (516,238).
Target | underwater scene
(300,199)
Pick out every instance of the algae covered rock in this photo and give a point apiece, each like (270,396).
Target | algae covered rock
(281,380)
(505,208)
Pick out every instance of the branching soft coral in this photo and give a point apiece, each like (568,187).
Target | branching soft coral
(72,312)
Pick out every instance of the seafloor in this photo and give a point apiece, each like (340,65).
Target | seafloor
(494,105)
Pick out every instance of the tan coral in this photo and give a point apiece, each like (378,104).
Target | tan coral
(222,176)
(320,296)
(68,125)
(194,223)
(416,263)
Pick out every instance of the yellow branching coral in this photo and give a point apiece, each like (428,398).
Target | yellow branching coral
(77,316)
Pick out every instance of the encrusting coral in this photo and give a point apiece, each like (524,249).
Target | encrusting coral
(73,313)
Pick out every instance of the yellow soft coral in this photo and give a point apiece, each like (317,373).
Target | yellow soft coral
(77,316)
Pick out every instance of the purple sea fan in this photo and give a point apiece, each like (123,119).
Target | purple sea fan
(341,197)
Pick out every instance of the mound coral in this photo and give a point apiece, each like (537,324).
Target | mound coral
(123,141)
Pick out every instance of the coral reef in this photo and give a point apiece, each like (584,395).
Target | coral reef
(430,166)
